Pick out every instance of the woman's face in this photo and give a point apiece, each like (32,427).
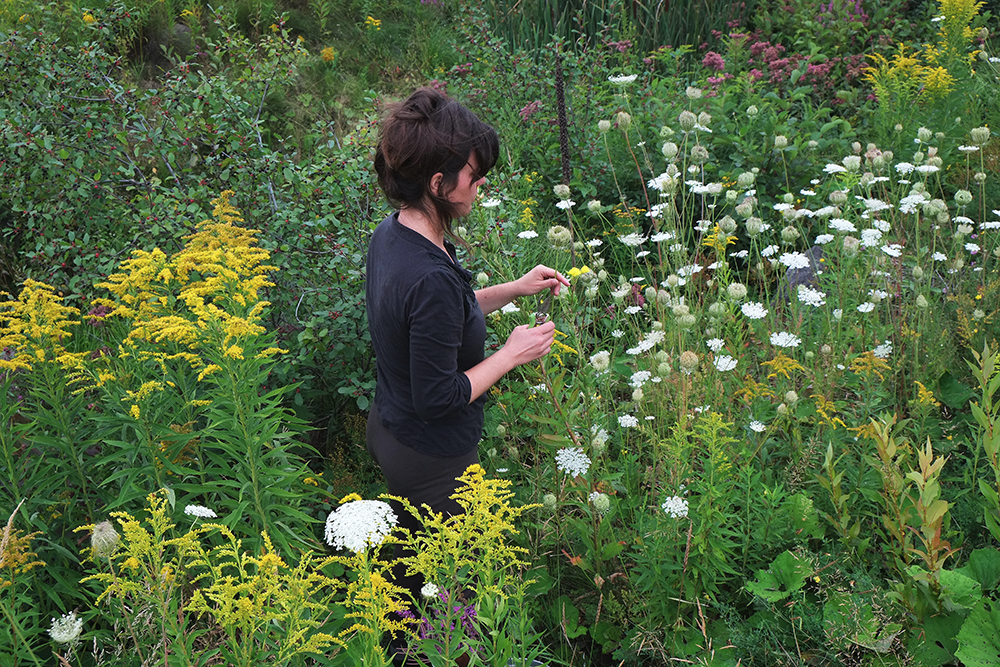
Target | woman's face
(467,188)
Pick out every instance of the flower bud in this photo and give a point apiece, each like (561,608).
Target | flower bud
(669,150)
(699,154)
(958,264)
(672,280)
(549,502)
(899,127)
(745,209)
(602,503)
(666,132)
(559,237)
(980,177)
(624,120)
(692,92)
(731,196)
(790,234)
(851,246)
(602,126)
(781,142)
(856,146)
(752,111)
(737,291)
(727,224)
(812,144)
(838,197)
(103,540)
(963,230)
(978,314)
(782,410)
(662,297)
(561,190)
(482,278)
(661,357)
(746,180)
(687,120)
(853,162)
(826,350)
(680,310)
(791,398)
(963,197)
(924,135)
(788,198)
(717,309)
(501,430)
(917,273)
(980,135)
(637,394)
(704,119)
(689,362)
(663,369)
(686,321)
(650,294)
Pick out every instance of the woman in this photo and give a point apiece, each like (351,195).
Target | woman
(426,322)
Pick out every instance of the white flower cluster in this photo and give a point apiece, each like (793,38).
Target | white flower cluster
(572,461)
(649,341)
(429,591)
(358,524)
(200,512)
(628,421)
(785,339)
(754,310)
(67,629)
(675,507)
(725,363)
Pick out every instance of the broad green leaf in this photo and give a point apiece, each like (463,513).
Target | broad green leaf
(979,638)
(786,575)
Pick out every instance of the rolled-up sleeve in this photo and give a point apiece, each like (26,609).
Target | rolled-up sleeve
(436,318)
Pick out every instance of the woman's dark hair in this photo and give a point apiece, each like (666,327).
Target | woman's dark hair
(424,135)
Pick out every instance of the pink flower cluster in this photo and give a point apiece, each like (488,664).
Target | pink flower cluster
(530,109)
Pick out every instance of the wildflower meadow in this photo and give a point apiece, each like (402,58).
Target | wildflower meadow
(768,432)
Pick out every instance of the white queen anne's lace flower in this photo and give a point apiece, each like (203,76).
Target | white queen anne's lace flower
(628,421)
(675,507)
(725,363)
(528,234)
(632,239)
(200,512)
(358,524)
(429,591)
(66,629)
(572,461)
(753,310)
(794,260)
(811,296)
(785,339)
(757,427)
(715,344)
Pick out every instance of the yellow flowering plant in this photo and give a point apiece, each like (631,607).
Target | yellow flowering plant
(474,598)
(175,591)
(189,380)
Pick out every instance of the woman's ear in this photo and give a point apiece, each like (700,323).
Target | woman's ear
(435,185)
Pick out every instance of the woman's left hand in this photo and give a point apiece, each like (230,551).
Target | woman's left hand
(541,278)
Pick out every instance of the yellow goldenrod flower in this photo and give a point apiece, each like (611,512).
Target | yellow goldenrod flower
(373,23)
(328,54)
(88,18)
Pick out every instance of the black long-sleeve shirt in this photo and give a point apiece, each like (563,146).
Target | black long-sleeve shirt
(427,329)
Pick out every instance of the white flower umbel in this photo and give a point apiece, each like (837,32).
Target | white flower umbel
(510,308)
(628,421)
(623,79)
(632,239)
(866,307)
(600,360)
(811,296)
(429,591)
(884,350)
(715,344)
(785,339)
(572,461)
(753,310)
(528,234)
(66,629)
(675,507)
(794,260)
(359,524)
(725,363)
(757,427)
(200,512)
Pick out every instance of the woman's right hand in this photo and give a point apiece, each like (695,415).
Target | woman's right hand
(527,343)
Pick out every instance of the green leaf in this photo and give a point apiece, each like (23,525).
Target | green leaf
(786,575)
(984,567)
(953,393)
(959,591)
(934,644)
(979,638)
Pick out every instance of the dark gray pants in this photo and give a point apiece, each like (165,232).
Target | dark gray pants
(419,478)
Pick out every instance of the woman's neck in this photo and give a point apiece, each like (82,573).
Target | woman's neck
(419,222)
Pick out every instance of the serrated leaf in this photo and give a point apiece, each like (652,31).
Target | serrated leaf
(786,575)
(984,567)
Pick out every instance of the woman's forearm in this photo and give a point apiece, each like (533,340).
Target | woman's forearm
(495,297)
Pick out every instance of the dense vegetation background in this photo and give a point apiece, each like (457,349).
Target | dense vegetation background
(767,433)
